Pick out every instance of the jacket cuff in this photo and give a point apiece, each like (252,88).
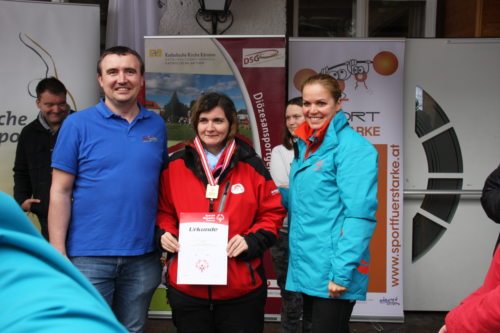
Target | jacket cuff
(257,243)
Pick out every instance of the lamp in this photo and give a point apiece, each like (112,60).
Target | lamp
(214,11)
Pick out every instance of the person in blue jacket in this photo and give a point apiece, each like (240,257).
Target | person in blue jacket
(40,290)
(332,203)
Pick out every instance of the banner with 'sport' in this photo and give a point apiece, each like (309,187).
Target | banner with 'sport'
(370,74)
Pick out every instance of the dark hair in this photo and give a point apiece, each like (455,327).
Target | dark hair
(211,100)
(287,136)
(119,50)
(50,84)
(328,82)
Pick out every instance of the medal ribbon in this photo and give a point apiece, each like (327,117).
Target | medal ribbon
(204,161)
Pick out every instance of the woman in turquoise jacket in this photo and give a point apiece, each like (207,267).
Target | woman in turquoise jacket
(332,203)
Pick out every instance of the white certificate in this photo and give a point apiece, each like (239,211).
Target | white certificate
(202,249)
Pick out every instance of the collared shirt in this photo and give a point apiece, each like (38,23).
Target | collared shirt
(44,123)
(116,165)
(213,159)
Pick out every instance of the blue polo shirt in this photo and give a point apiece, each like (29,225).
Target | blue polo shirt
(117,167)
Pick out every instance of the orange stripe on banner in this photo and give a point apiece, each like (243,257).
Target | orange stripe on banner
(378,247)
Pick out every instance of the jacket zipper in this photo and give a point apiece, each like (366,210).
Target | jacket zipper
(252,272)
(210,302)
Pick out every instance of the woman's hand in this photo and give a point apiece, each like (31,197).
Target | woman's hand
(334,290)
(236,246)
(443,329)
(169,243)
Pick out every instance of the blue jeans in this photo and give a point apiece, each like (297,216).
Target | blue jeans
(126,283)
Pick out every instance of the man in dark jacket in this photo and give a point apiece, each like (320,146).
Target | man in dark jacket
(32,170)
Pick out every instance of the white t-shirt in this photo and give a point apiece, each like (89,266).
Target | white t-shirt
(281,159)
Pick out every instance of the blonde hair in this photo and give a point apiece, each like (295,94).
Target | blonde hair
(328,82)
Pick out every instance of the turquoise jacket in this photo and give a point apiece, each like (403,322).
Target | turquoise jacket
(332,203)
(40,290)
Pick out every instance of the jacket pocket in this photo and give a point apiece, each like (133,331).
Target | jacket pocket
(244,275)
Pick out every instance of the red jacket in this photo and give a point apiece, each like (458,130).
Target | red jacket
(480,311)
(254,211)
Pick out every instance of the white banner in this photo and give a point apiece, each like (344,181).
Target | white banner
(40,39)
(370,74)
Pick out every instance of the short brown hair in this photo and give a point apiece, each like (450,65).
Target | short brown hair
(52,85)
(328,82)
(208,102)
(119,50)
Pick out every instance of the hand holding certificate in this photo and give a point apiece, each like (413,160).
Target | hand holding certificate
(203,249)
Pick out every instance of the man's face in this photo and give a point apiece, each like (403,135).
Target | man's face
(120,79)
(53,106)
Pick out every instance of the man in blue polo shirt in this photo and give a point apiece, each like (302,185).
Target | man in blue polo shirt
(107,163)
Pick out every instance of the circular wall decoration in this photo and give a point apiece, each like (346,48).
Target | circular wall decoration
(444,155)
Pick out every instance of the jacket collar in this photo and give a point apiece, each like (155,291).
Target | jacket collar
(328,132)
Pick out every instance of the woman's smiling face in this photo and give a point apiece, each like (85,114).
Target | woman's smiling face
(213,129)
(319,105)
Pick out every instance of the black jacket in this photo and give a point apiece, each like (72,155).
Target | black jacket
(32,170)
(490,199)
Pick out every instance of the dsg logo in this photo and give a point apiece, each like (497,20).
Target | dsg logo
(155,53)
(264,57)
(257,56)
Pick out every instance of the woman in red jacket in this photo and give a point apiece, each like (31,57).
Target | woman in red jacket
(217,172)
(480,311)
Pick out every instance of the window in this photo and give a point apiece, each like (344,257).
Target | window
(363,18)
(318,18)
(396,19)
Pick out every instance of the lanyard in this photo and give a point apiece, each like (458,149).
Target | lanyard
(212,186)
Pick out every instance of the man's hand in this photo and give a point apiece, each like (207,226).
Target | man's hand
(26,205)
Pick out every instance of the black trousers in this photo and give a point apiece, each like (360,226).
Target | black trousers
(291,302)
(44,227)
(327,315)
(239,315)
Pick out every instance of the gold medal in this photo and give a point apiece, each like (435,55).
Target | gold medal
(212,191)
